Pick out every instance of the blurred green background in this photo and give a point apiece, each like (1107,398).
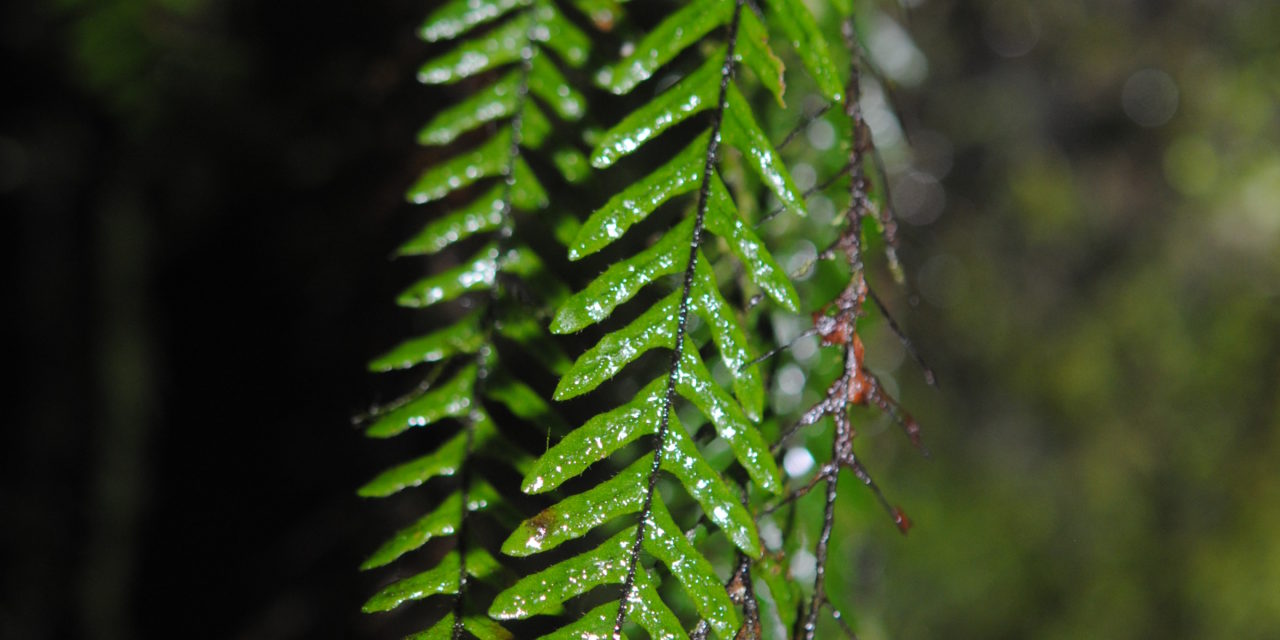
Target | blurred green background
(1101,298)
(199,197)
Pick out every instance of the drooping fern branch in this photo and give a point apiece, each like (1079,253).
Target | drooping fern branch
(679,250)
(495,183)
(651,482)
(837,324)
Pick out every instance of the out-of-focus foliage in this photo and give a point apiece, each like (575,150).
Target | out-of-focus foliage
(1103,295)
(127,51)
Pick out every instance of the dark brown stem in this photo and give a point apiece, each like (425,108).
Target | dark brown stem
(704,193)
(776,350)
(826,471)
(836,324)
(743,592)
(810,626)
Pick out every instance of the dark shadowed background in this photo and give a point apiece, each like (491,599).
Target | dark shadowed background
(197,200)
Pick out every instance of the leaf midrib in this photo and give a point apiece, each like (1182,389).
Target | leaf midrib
(709,166)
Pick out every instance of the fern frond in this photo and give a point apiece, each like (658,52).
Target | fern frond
(648,476)
(684,249)
(514,49)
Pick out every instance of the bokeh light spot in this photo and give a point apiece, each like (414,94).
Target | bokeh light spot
(797,462)
(918,198)
(1149,97)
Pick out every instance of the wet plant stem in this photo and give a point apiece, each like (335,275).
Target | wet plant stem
(660,439)
(810,627)
(742,590)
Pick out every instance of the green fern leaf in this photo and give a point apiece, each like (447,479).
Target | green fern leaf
(523,402)
(678,176)
(502,314)
(646,605)
(496,48)
(572,164)
(441,630)
(776,575)
(799,27)
(476,275)
(485,629)
(573,517)
(532,338)
(621,281)
(696,385)
(599,438)
(602,12)
(517,92)
(442,521)
(449,400)
(462,337)
(457,17)
(606,564)
(445,461)
(482,215)
(729,338)
(694,93)
(741,131)
(498,100)
(650,330)
(757,55)
(536,594)
(479,626)
(654,329)
(558,34)
(676,33)
(488,160)
(667,542)
(546,82)
(442,579)
(724,221)
(595,440)
(681,459)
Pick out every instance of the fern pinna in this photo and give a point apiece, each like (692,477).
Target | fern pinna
(675,247)
(505,48)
